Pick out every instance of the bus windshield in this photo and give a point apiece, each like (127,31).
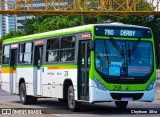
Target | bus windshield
(123,58)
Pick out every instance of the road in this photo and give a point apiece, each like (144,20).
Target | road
(52,107)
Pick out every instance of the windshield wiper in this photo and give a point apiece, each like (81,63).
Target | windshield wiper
(133,49)
(123,69)
(117,47)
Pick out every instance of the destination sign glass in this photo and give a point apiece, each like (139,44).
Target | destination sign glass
(123,32)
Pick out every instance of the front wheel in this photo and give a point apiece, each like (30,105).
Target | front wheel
(121,104)
(73,105)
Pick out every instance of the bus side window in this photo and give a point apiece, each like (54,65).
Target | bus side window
(67,48)
(20,55)
(25,53)
(6,55)
(28,53)
(52,54)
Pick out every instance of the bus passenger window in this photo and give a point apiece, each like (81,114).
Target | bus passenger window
(25,53)
(67,48)
(52,50)
(28,53)
(6,55)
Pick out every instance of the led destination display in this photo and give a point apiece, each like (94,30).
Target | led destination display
(123,32)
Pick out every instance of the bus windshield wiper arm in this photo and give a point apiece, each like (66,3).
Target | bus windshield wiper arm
(134,47)
(117,47)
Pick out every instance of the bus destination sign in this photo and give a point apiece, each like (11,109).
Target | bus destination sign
(128,33)
(123,32)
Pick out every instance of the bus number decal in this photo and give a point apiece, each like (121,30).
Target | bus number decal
(65,73)
(109,32)
(86,35)
(117,87)
(39,42)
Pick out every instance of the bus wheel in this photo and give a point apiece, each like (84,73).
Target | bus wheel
(121,104)
(22,94)
(73,105)
(25,99)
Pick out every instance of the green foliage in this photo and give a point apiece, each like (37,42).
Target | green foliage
(13,34)
(43,24)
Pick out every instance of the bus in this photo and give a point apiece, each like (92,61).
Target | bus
(111,62)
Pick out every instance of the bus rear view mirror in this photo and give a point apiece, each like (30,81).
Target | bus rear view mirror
(91,45)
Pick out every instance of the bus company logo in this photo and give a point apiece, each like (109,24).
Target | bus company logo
(6,111)
(86,35)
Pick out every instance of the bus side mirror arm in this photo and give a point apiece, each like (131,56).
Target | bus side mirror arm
(91,45)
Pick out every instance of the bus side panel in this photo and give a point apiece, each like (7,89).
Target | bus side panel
(46,82)
(5,83)
(27,74)
(53,80)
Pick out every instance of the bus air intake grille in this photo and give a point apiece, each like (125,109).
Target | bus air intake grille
(119,96)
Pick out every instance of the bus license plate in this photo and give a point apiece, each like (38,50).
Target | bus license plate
(126,98)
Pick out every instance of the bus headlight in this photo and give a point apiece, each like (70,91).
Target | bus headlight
(150,87)
(99,84)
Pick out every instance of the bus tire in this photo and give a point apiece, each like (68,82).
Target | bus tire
(25,99)
(121,104)
(73,105)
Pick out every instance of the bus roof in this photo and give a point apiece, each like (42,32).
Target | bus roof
(64,32)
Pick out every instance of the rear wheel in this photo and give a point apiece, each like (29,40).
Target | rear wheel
(121,104)
(73,105)
(25,99)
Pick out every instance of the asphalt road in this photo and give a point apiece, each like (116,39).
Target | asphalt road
(52,107)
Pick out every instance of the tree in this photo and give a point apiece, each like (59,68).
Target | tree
(41,24)
(13,34)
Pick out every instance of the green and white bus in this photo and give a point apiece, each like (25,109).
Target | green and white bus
(90,63)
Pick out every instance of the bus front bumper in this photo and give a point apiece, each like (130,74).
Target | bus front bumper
(97,95)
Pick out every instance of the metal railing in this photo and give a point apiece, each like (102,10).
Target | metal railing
(83,7)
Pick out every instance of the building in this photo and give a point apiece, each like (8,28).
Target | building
(15,22)
(37,5)
(7,22)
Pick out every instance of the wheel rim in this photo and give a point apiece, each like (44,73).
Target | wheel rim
(71,99)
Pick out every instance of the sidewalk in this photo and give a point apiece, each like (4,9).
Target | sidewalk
(158,87)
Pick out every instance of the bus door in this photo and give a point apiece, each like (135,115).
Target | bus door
(13,75)
(38,58)
(84,64)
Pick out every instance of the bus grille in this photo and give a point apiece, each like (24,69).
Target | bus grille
(118,96)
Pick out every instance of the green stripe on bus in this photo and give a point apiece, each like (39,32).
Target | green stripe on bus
(7,67)
(50,34)
(45,65)
(70,65)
